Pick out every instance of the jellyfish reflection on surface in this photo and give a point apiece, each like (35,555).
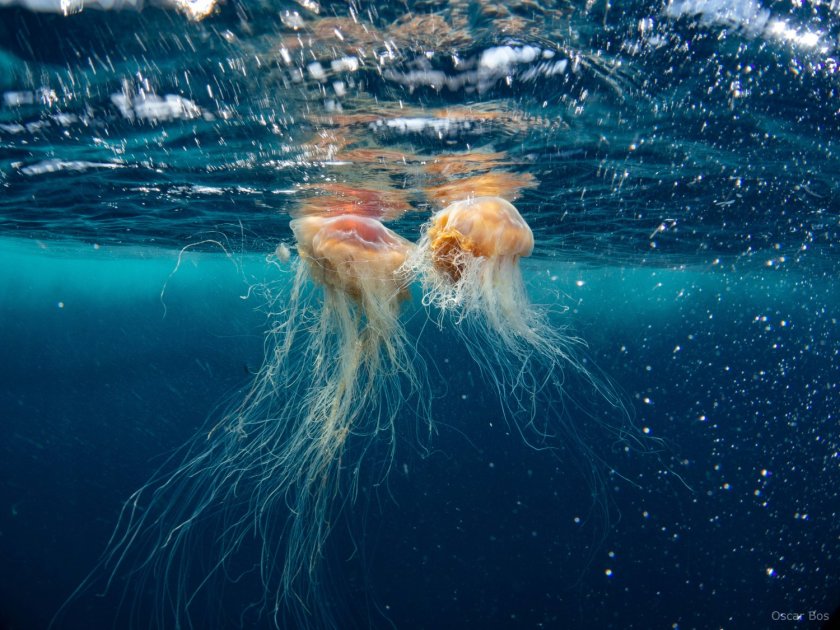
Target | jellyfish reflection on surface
(336,371)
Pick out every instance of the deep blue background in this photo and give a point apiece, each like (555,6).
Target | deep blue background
(480,531)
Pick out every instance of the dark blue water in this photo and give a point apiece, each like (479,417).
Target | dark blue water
(678,165)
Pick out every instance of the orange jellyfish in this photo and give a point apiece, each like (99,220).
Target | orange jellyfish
(337,372)
(469,255)
(357,368)
(468,259)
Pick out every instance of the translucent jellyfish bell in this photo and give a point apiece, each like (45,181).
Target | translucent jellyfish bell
(483,228)
(356,255)
(468,258)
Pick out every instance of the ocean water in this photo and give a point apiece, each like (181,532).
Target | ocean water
(677,163)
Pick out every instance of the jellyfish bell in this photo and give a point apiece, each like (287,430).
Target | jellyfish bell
(354,254)
(468,260)
(487,228)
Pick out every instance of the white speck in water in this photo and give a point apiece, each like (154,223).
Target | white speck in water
(316,71)
(345,64)
(283,253)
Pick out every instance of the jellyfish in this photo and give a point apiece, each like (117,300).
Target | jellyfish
(271,474)
(358,375)
(469,257)
(468,260)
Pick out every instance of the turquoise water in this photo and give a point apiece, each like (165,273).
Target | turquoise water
(677,164)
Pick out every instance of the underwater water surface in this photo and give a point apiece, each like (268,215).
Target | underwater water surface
(677,164)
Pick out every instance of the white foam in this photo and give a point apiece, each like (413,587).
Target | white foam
(345,64)
(71,6)
(439,126)
(416,124)
(785,32)
(16,99)
(153,108)
(747,15)
(434,79)
(526,63)
(292,20)
(65,120)
(316,71)
(54,166)
(502,58)
(193,9)
(14,128)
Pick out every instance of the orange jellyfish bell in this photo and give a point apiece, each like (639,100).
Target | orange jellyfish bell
(483,227)
(355,254)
